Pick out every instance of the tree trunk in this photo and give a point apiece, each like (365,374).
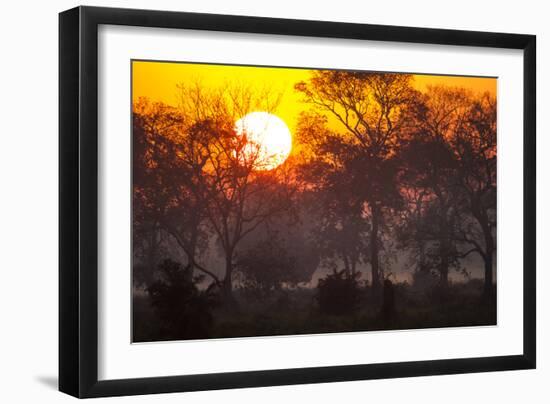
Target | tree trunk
(192,252)
(444,274)
(444,252)
(227,282)
(353,265)
(374,259)
(346,263)
(153,250)
(489,250)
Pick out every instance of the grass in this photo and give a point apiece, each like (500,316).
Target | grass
(291,312)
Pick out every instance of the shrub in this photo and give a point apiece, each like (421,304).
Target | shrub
(339,293)
(184,311)
(267,266)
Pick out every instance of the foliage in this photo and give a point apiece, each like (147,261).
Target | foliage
(184,310)
(440,226)
(194,177)
(378,170)
(339,293)
(267,266)
(374,111)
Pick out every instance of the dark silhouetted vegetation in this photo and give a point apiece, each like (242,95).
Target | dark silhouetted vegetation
(184,311)
(382,217)
(339,293)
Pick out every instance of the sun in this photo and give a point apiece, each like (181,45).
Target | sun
(269,139)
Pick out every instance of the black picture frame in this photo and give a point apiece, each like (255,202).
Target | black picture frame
(78,201)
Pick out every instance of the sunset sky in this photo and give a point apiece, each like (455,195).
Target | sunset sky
(157,81)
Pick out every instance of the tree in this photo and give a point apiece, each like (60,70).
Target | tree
(477,154)
(429,181)
(194,174)
(267,266)
(449,178)
(340,228)
(236,194)
(371,114)
(168,152)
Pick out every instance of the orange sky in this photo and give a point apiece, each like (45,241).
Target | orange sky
(158,80)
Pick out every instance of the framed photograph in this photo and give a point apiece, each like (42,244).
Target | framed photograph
(251,201)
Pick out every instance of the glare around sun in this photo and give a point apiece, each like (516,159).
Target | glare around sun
(270,141)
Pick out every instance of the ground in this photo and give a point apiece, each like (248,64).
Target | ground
(297,311)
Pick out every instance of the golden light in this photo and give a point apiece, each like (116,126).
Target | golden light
(269,139)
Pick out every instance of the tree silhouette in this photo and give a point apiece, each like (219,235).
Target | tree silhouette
(340,230)
(476,151)
(430,181)
(167,154)
(372,113)
(449,178)
(236,195)
(268,265)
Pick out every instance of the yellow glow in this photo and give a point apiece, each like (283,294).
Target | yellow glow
(158,81)
(269,139)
